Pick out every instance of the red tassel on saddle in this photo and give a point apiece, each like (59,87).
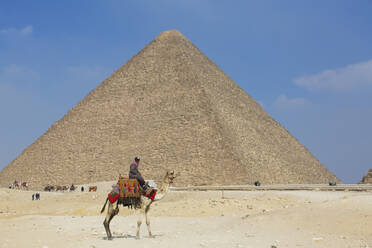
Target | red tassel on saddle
(151,195)
(113,197)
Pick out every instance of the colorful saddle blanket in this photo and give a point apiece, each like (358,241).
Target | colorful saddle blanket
(129,191)
(125,188)
(129,188)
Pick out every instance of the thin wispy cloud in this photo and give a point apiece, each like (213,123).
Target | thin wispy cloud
(16,74)
(285,103)
(341,79)
(23,31)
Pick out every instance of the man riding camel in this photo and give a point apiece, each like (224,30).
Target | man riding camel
(135,174)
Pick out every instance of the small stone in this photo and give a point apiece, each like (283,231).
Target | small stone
(318,239)
(245,216)
(203,244)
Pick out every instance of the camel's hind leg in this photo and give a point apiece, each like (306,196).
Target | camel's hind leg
(139,222)
(111,212)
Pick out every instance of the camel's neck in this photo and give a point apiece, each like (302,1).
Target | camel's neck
(163,190)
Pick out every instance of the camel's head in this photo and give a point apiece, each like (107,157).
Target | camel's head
(170,176)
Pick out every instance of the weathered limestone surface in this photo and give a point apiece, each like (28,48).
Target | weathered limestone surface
(173,107)
(367,178)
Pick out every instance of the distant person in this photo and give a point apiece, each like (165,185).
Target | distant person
(37,196)
(33,196)
(135,174)
(82,188)
(15,184)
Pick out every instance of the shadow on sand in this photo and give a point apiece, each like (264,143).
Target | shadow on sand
(128,236)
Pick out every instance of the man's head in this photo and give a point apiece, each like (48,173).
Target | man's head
(137,159)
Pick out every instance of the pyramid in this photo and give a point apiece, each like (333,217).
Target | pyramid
(174,108)
(367,178)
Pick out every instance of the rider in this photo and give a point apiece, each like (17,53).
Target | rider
(135,174)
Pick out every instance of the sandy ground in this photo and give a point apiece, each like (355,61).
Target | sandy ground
(190,219)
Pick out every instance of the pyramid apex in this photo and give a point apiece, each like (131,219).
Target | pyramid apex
(170,33)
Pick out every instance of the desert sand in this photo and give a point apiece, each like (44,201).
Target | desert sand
(190,219)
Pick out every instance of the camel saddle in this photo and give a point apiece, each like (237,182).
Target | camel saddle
(129,187)
(127,192)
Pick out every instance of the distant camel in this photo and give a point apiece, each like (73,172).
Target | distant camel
(92,188)
(15,184)
(62,188)
(72,188)
(144,207)
(24,185)
(49,188)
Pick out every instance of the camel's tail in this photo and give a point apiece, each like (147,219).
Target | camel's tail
(104,206)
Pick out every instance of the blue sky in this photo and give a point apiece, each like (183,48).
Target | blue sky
(308,63)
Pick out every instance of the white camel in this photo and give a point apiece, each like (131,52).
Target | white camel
(143,208)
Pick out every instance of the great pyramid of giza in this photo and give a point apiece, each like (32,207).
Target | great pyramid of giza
(367,178)
(174,108)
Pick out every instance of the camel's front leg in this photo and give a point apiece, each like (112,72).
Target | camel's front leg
(139,222)
(148,224)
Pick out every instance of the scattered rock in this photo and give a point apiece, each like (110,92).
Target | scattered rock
(318,239)
(245,216)
(203,244)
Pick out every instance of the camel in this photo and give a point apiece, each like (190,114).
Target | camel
(143,209)
(93,188)
(24,185)
(15,185)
